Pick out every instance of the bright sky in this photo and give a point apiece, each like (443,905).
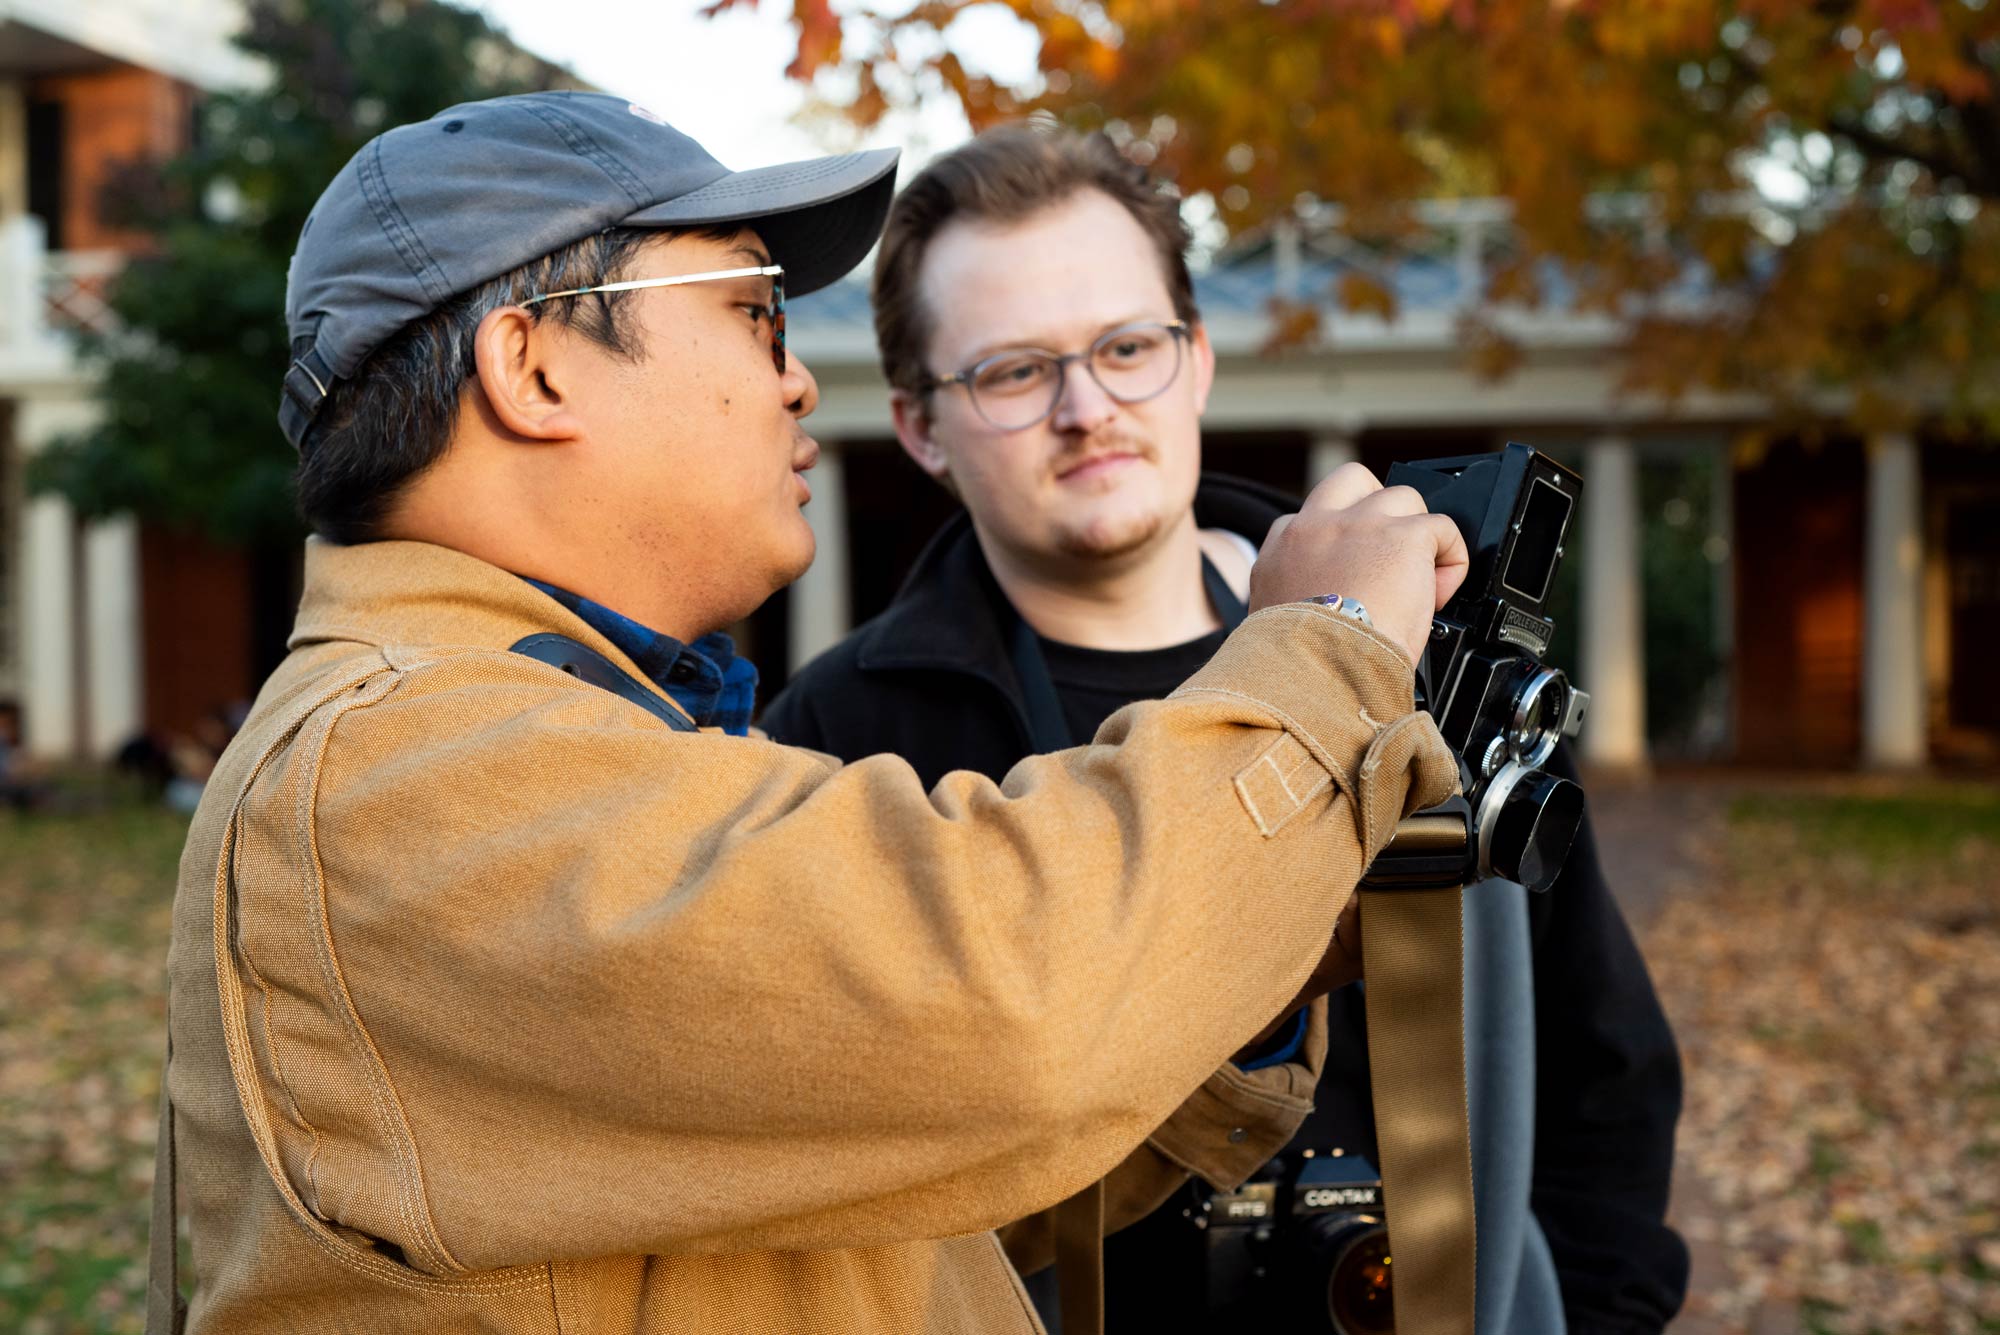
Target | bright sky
(722,80)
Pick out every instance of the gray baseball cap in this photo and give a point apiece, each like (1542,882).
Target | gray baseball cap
(426,212)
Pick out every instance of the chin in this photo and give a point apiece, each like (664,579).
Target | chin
(791,567)
(1111,536)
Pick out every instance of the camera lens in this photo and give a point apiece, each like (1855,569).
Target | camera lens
(1533,828)
(1358,1293)
(1536,726)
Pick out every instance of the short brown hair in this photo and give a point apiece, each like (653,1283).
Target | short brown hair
(1004,175)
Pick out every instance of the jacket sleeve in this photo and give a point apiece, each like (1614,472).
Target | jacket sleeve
(1608,1094)
(539,977)
(1230,1126)
(1224,1132)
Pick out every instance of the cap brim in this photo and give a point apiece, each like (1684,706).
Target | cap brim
(819,218)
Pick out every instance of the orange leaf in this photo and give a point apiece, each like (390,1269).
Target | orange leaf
(1362,295)
(819,38)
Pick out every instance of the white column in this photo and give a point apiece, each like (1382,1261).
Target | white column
(114,650)
(13,148)
(1892,671)
(818,606)
(48,629)
(22,257)
(1613,625)
(53,683)
(1329,450)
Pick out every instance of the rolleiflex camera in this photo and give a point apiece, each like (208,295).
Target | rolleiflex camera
(1299,1248)
(1482,677)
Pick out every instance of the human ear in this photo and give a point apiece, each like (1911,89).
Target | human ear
(913,433)
(1202,353)
(521,377)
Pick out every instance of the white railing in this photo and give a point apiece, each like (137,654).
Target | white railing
(48,296)
(76,286)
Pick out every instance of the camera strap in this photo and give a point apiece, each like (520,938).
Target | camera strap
(1079,1221)
(1412,905)
(166,1310)
(1412,912)
(1416,1060)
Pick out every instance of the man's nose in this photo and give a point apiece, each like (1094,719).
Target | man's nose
(1083,406)
(801,390)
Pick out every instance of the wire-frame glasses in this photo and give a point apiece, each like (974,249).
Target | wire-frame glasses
(774,308)
(1015,389)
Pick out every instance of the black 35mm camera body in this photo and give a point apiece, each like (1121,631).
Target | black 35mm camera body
(1482,676)
(1298,1248)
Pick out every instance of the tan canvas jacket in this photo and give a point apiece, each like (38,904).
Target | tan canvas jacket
(497,1005)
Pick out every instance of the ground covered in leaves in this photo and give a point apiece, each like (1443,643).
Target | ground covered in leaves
(85,908)
(1834,977)
(1832,964)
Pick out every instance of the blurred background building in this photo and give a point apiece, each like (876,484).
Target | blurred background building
(1771,603)
(97,623)
(1733,594)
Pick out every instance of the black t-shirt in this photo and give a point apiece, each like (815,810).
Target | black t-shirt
(1094,684)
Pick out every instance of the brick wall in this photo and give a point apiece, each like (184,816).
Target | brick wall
(111,118)
(195,616)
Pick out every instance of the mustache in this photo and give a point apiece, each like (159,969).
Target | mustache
(1097,447)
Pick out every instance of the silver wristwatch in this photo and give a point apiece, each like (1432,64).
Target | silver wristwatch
(1346,606)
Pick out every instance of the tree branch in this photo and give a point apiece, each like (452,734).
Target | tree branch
(1883,148)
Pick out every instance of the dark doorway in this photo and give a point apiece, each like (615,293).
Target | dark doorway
(1972,556)
(47,140)
(1800,534)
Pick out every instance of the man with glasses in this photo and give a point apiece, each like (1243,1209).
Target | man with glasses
(1047,364)
(511,992)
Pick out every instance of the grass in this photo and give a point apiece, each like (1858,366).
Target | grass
(85,909)
(1930,824)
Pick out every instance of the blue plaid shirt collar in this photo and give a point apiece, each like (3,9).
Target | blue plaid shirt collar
(708,679)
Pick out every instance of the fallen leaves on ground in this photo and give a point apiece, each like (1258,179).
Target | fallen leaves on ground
(1839,1013)
(85,908)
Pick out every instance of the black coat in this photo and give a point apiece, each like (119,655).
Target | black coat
(932,681)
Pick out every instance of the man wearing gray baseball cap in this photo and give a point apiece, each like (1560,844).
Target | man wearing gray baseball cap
(515,987)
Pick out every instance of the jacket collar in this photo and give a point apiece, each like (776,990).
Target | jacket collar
(388,594)
(950,615)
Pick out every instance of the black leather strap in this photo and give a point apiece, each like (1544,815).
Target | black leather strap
(166,1310)
(308,380)
(586,664)
(1229,609)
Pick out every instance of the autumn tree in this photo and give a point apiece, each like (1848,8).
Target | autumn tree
(1825,177)
(191,369)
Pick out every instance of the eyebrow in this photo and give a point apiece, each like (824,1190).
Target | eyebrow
(755,254)
(997,347)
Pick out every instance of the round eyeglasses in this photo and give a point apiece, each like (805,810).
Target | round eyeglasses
(1014,390)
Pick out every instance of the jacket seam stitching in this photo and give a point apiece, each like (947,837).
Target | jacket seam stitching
(1345,624)
(278,1069)
(1020,1294)
(315,1233)
(1291,725)
(410,1195)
